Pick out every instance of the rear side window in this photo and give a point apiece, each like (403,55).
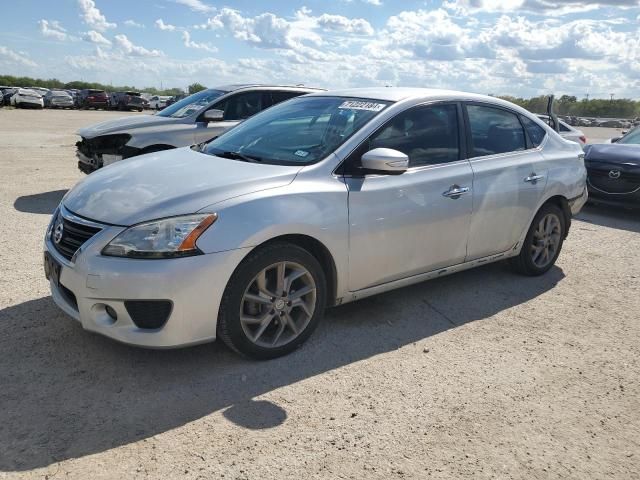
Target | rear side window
(535,131)
(564,128)
(494,131)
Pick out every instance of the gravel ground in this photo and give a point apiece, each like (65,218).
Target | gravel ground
(483,374)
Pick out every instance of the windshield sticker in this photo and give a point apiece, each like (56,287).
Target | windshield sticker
(301,153)
(370,106)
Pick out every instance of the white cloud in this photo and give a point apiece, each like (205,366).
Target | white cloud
(186,38)
(9,57)
(339,23)
(164,26)
(547,7)
(53,29)
(92,16)
(197,6)
(133,23)
(129,48)
(95,37)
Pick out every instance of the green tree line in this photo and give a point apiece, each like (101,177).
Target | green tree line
(570,105)
(11,81)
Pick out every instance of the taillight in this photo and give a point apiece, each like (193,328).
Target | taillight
(583,139)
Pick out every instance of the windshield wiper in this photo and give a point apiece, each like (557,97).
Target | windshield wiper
(238,156)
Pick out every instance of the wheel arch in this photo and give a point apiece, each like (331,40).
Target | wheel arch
(563,203)
(320,252)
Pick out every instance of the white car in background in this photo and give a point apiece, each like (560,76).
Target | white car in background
(27,98)
(567,131)
(158,102)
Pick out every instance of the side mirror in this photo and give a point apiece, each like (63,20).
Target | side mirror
(615,139)
(213,115)
(385,160)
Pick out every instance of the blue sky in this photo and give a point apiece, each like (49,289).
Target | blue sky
(517,47)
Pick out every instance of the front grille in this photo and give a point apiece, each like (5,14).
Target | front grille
(149,314)
(74,235)
(627,182)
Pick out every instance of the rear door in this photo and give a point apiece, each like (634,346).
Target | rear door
(509,178)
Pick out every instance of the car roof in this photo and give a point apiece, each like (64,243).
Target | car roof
(396,94)
(240,86)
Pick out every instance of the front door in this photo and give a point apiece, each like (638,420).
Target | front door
(403,225)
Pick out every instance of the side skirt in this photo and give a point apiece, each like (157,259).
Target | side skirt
(404,282)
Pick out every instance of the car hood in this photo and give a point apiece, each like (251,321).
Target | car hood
(125,123)
(613,153)
(169,183)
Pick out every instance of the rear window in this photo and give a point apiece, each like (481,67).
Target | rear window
(95,91)
(536,132)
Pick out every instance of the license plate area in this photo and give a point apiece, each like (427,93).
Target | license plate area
(52,269)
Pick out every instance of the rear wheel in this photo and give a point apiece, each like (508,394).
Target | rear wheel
(543,242)
(273,302)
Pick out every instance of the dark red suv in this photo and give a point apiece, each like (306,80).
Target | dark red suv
(89,98)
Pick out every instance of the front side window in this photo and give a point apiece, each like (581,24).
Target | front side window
(191,104)
(535,131)
(243,105)
(278,97)
(494,131)
(298,132)
(427,135)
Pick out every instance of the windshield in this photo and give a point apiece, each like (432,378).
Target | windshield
(633,137)
(193,103)
(296,132)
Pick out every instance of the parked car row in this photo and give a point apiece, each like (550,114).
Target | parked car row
(83,99)
(601,122)
(288,200)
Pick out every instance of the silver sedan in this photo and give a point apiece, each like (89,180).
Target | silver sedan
(318,201)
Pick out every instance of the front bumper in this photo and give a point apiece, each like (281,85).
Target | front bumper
(624,200)
(29,102)
(91,282)
(68,104)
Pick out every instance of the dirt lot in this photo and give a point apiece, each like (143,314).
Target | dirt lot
(483,374)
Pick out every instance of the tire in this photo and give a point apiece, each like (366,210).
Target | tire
(541,249)
(277,313)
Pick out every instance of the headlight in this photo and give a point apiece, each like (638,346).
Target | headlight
(166,238)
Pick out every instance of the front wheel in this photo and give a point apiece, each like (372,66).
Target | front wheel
(273,302)
(543,242)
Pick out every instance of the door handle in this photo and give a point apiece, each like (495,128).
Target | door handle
(533,178)
(455,191)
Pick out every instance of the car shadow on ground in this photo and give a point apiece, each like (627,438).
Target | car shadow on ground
(66,393)
(44,203)
(612,217)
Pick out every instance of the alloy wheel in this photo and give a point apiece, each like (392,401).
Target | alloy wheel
(546,240)
(278,304)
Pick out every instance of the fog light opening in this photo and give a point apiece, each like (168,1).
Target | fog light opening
(111,312)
